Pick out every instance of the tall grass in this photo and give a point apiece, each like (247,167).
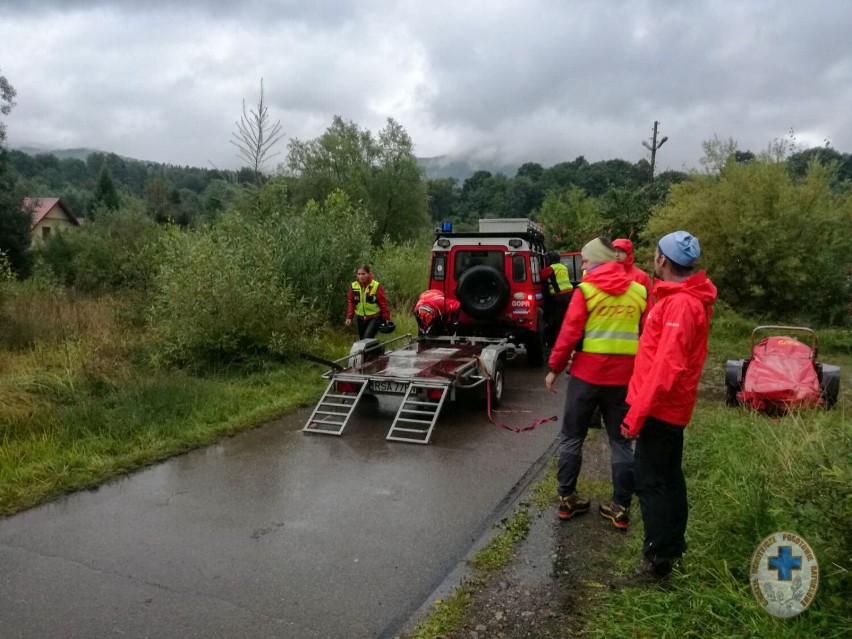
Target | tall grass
(748,476)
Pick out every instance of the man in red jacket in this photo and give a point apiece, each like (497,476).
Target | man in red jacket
(624,254)
(601,329)
(662,394)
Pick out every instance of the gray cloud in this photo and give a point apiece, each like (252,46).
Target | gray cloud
(542,80)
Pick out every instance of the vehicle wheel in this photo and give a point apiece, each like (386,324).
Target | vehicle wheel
(497,383)
(534,344)
(483,291)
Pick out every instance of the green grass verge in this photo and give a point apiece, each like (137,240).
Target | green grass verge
(749,475)
(89,437)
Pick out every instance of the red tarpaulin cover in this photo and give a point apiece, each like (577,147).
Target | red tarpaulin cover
(781,375)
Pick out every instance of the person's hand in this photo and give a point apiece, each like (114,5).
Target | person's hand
(628,432)
(550,381)
(349,322)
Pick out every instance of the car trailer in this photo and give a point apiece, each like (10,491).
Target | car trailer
(423,371)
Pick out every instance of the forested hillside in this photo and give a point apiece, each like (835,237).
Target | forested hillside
(773,225)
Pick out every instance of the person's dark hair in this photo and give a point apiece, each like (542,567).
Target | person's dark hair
(366,267)
(553,257)
(606,242)
(677,269)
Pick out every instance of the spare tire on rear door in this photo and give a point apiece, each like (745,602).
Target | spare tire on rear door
(483,291)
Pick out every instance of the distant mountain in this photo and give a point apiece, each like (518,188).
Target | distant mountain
(441,166)
(461,168)
(60,154)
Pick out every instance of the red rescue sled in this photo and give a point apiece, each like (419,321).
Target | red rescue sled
(782,374)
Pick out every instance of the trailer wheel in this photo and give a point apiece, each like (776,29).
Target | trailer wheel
(731,395)
(734,376)
(497,383)
(483,291)
(829,382)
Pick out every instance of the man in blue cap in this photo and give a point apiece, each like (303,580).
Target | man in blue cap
(662,394)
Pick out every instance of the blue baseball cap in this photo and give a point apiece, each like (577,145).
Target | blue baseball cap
(681,248)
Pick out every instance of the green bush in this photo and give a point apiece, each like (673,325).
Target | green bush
(112,251)
(216,299)
(261,281)
(773,247)
(403,270)
(320,250)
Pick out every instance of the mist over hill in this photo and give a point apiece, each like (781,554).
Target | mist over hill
(461,168)
(441,166)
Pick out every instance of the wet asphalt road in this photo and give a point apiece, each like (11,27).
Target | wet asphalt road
(275,533)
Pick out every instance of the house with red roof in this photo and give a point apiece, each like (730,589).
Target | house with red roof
(49,215)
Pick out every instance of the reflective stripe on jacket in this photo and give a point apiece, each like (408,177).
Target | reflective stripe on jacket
(613,324)
(366,300)
(561,278)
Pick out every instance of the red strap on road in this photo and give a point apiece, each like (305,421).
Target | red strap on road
(514,429)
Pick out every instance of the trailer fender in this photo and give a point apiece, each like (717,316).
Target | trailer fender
(363,351)
(489,356)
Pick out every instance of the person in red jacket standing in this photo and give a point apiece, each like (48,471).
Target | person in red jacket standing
(662,394)
(624,254)
(367,303)
(601,329)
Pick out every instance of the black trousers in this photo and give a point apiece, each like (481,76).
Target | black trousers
(661,488)
(581,400)
(557,307)
(368,328)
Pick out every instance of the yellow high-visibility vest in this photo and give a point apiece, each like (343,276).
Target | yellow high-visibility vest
(613,324)
(563,281)
(366,300)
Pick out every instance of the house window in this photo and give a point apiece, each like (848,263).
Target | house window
(45,232)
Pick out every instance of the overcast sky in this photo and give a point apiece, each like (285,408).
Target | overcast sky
(513,81)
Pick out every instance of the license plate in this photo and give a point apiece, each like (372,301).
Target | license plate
(380,386)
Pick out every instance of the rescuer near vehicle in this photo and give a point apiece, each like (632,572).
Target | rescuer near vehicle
(624,254)
(662,394)
(367,303)
(558,290)
(601,329)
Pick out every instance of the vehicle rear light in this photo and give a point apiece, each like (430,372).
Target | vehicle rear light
(434,393)
(347,387)
(530,297)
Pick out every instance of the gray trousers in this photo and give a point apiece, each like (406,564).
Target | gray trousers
(580,402)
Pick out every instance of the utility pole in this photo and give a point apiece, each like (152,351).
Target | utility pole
(653,147)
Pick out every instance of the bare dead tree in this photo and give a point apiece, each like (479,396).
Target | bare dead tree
(255,136)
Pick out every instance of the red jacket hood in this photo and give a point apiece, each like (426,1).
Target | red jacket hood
(627,247)
(610,277)
(697,286)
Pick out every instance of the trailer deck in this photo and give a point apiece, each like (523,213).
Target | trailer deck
(422,371)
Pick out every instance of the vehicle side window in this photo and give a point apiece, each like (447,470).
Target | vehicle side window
(466,259)
(535,267)
(519,268)
(572,263)
(439,267)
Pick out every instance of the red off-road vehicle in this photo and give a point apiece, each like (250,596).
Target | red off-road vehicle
(495,275)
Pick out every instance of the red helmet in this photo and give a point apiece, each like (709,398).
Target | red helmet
(426,316)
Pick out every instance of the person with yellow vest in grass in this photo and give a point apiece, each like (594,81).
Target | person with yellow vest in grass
(601,330)
(367,303)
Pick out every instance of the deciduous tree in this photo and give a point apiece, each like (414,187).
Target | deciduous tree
(15,223)
(774,247)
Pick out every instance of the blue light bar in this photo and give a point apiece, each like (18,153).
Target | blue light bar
(446,227)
